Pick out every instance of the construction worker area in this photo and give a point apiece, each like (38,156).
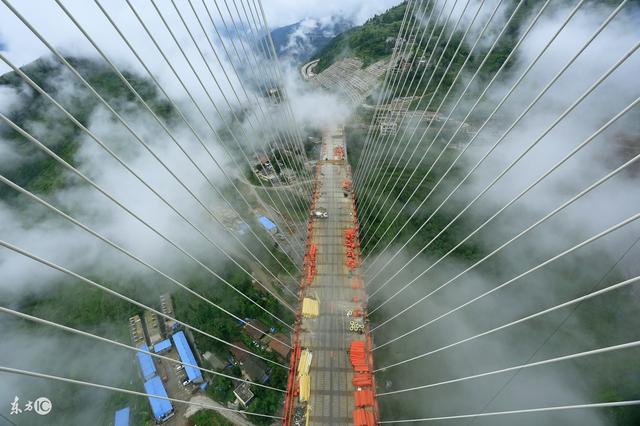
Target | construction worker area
(331,380)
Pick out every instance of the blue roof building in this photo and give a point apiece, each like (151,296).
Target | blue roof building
(147,367)
(163,346)
(267,224)
(186,356)
(161,408)
(122,417)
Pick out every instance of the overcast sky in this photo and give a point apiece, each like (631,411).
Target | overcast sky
(283,12)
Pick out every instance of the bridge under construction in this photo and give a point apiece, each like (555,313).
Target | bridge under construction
(331,380)
(495,154)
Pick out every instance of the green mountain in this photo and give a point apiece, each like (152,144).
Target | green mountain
(367,41)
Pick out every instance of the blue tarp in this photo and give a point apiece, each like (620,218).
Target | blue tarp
(163,346)
(266,223)
(186,356)
(122,417)
(160,407)
(147,368)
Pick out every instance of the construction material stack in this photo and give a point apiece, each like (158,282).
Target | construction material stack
(335,386)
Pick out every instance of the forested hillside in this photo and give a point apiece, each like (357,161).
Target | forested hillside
(367,41)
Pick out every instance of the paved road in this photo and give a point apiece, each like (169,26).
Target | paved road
(305,70)
(235,418)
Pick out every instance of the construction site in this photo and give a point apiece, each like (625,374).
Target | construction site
(331,380)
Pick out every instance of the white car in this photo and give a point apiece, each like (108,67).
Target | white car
(321,213)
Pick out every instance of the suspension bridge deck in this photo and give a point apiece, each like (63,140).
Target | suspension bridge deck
(327,395)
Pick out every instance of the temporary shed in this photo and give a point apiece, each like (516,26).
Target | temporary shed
(267,224)
(310,308)
(122,417)
(161,408)
(162,346)
(186,356)
(147,367)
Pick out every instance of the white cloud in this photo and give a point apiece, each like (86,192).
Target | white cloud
(283,12)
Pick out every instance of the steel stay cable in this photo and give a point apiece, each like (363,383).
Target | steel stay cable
(377,141)
(387,91)
(538,314)
(107,290)
(523,411)
(215,106)
(293,146)
(180,80)
(130,392)
(607,349)
(69,167)
(392,76)
(554,211)
(559,208)
(189,125)
(224,96)
(130,129)
(72,330)
(386,144)
(279,137)
(290,145)
(290,136)
(262,86)
(506,283)
(383,139)
(382,94)
(561,324)
(106,240)
(204,116)
(480,97)
(110,108)
(248,53)
(276,66)
(216,80)
(366,182)
(117,158)
(376,179)
(529,148)
(173,138)
(259,20)
(374,214)
(381,147)
(505,97)
(436,114)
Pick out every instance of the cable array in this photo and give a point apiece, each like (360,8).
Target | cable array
(421,209)
(462,76)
